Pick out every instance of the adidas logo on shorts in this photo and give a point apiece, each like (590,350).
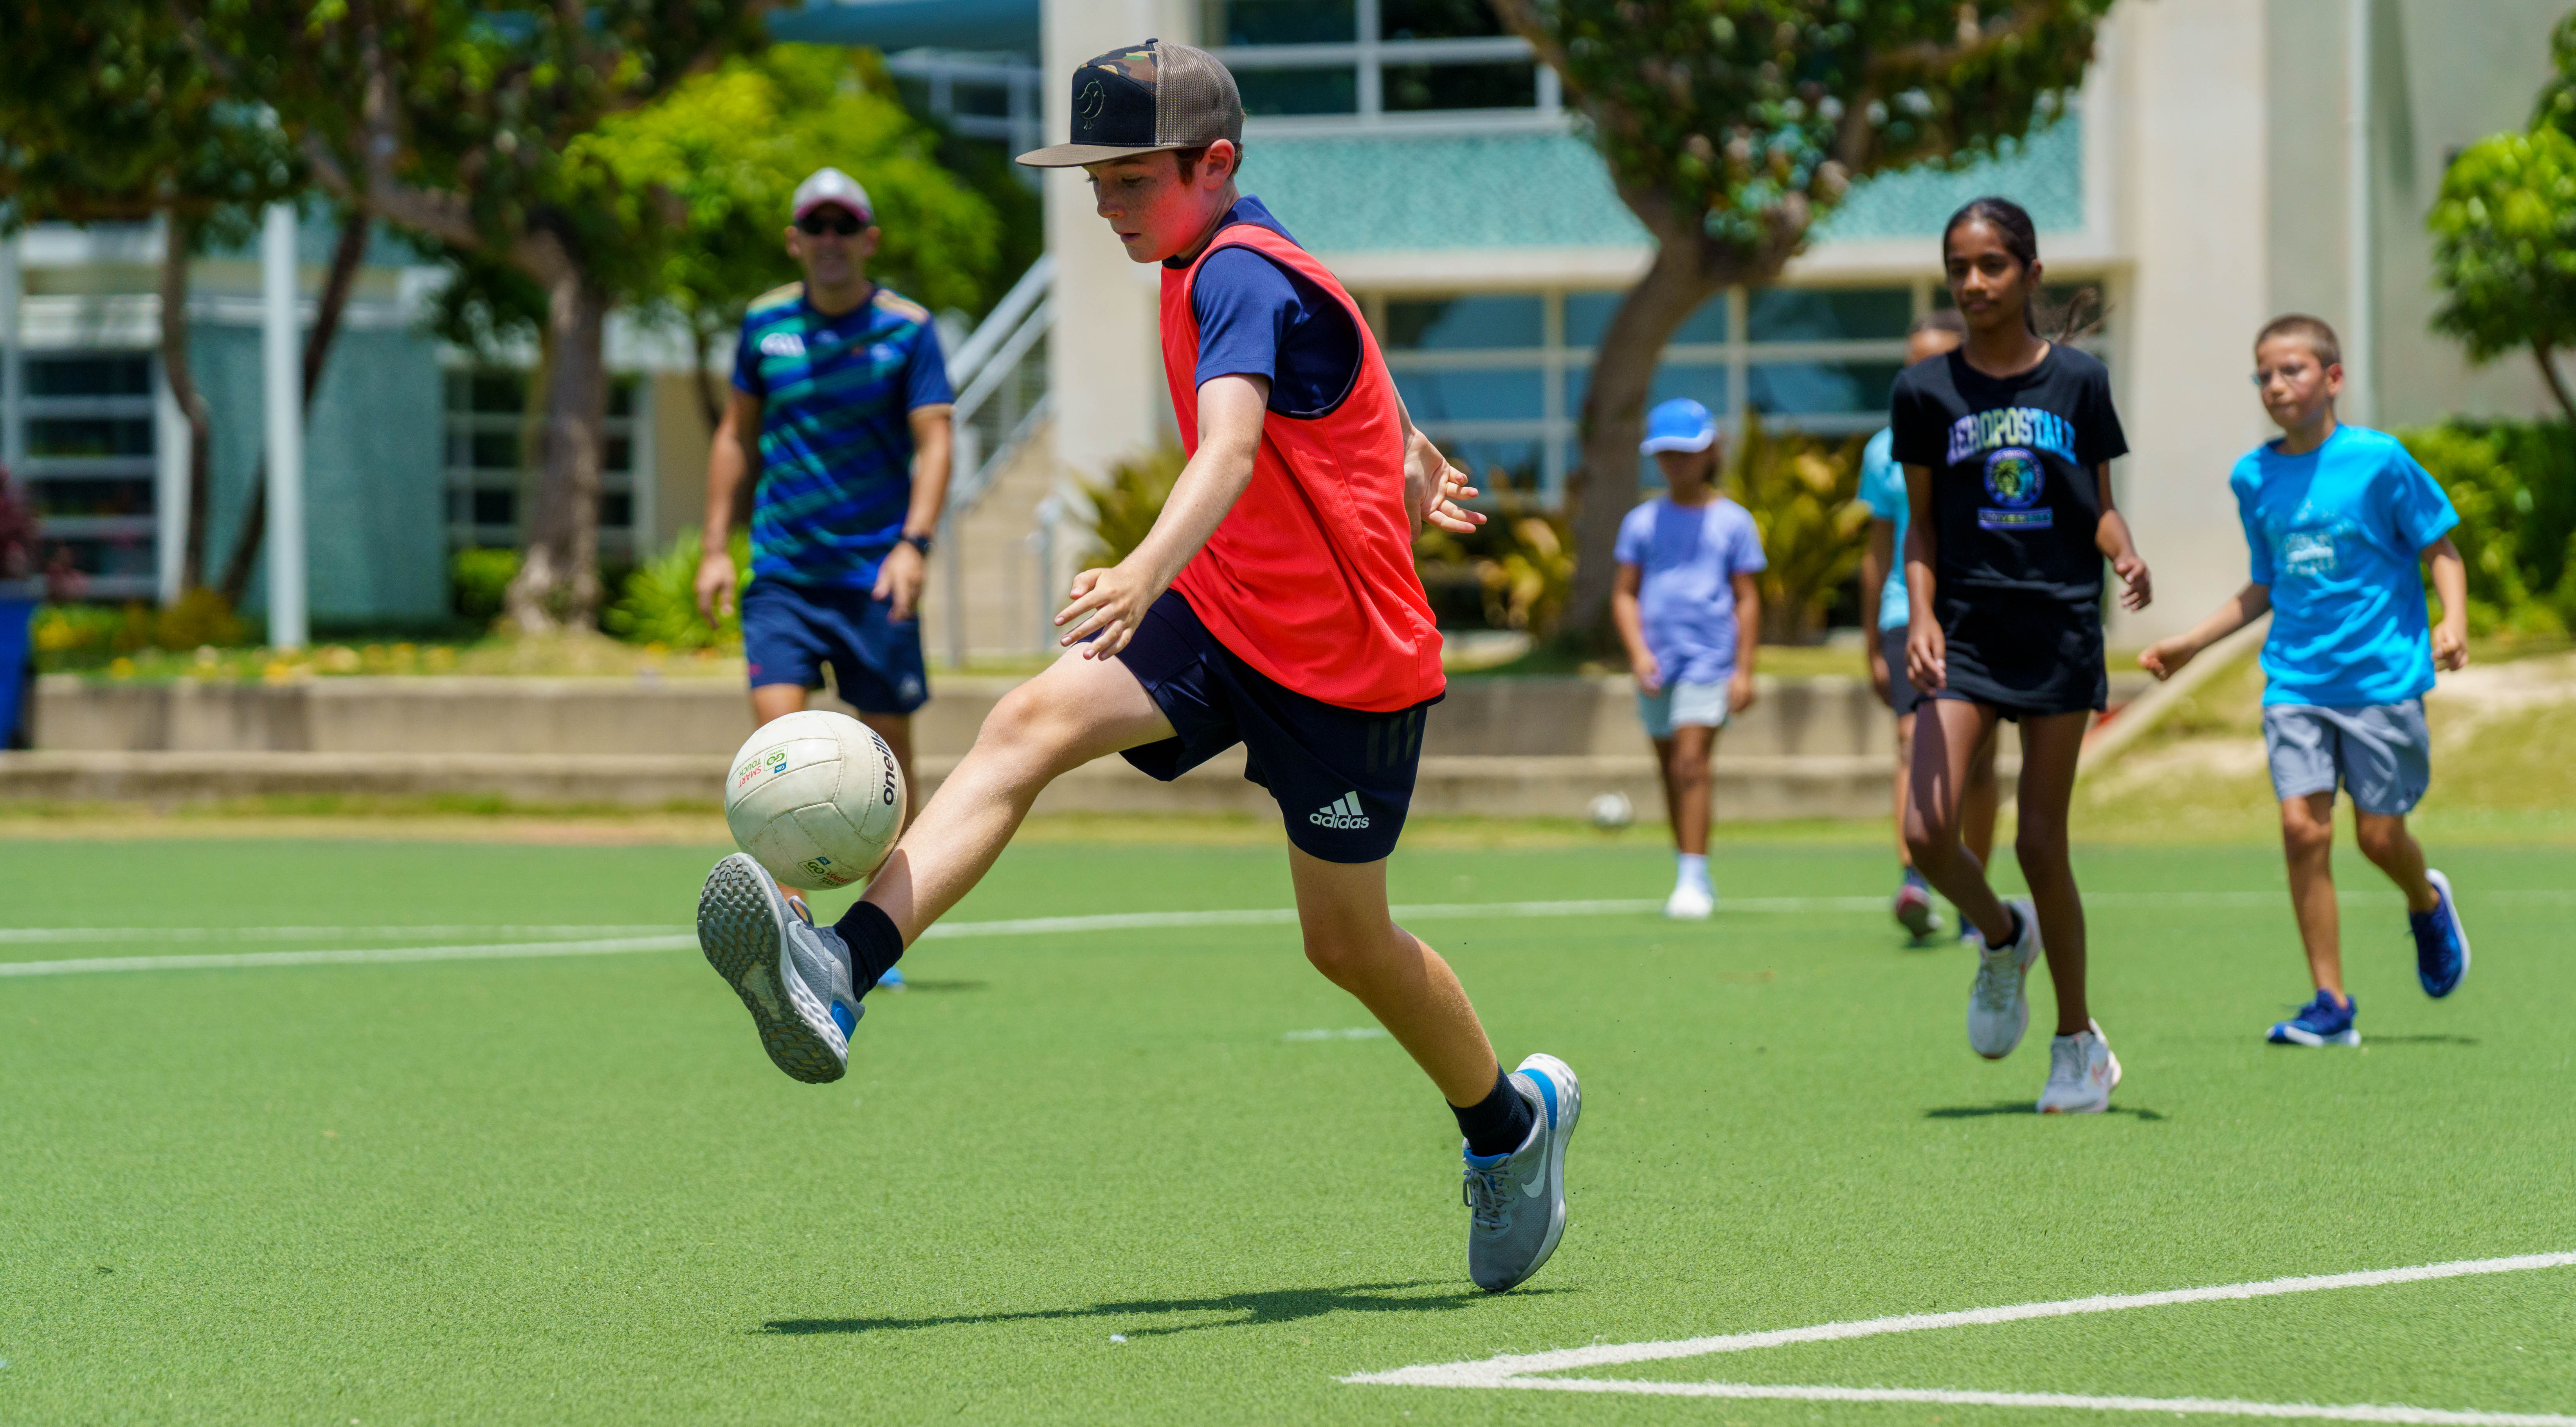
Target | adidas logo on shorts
(1341,812)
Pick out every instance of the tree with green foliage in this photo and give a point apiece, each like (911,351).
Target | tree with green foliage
(466,121)
(2504,250)
(109,115)
(731,145)
(1732,127)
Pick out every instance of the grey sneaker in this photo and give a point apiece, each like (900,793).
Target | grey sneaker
(1517,1201)
(1998,1009)
(792,975)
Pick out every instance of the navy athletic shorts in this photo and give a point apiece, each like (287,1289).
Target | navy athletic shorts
(789,632)
(1343,778)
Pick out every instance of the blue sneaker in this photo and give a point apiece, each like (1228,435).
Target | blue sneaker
(1517,1200)
(2441,943)
(2320,1022)
(892,980)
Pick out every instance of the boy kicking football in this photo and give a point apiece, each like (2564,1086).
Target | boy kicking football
(2338,518)
(1274,605)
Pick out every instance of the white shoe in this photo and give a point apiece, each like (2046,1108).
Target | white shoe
(1998,1012)
(2081,1073)
(1690,904)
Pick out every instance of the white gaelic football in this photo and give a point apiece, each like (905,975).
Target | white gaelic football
(1611,812)
(816,798)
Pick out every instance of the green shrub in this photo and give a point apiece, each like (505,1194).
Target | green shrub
(1124,507)
(659,602)
(1520,563)
(1803,494)
(2514,485)
(481,580)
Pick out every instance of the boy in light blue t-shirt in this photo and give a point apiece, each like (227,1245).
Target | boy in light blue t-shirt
(2338,518)
(1690,612)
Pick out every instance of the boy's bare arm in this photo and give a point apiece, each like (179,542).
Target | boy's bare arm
(1631,622)
(2451,582)
(2165,657)
(1111,603)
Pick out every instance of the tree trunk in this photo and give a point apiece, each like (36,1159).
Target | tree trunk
(2548,359)
(711,402)
(558,582)
(1614,419)
(183,389)
(345,256)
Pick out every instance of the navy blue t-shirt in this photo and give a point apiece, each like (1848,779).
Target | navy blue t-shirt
(1257,318)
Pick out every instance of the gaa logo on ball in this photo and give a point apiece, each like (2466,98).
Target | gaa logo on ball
(817,799)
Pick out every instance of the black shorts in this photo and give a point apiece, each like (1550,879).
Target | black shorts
(1343,778)
(2026,656)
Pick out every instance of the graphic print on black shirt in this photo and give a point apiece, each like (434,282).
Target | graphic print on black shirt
(2014,500)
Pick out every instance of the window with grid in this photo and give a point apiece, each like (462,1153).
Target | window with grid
(491,449)
(91,464)
(1498,378)
(1371,60)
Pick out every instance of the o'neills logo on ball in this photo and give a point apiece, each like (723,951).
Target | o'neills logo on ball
(1342,812)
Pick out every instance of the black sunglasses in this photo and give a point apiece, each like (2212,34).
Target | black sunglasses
(841,222)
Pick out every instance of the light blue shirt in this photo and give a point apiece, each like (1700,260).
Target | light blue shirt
(1882,489)
(1690,556)
(2338,535)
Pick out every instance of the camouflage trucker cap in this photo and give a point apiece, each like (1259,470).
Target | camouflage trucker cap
(1144,99)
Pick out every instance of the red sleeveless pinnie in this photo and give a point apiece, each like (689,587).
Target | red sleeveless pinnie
(1310,579)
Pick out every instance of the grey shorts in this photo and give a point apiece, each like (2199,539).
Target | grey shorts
(1900,690)
(2379,753)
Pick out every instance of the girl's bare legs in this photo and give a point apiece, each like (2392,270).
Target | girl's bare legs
(2049,746)
(1947,734)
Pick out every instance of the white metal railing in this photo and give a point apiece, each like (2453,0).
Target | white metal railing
(999,374)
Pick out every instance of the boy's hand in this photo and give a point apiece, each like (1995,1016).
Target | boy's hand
(1433,489)
(1650,675)
(2141,591)
(2165,657)
(2451,646)
(715,586)
(899,577)
(1108,603)
(1926,656)
(1879,679)
(1739,691)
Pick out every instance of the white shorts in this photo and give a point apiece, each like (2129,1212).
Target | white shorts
(1681,706)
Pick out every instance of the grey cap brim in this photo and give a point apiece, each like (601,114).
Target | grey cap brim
(1076,155)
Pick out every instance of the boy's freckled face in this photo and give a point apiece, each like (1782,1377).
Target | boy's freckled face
(2297,387)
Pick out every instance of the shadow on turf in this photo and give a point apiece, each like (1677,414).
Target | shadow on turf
(2022,1107)
(1283,1305)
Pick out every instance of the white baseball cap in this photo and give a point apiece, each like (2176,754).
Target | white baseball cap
(831,186)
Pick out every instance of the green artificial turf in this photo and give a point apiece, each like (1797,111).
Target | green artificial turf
(573,1190)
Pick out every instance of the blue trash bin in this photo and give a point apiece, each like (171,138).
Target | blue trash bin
(15,614)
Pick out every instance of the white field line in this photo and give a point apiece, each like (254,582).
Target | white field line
(662,938)
(2208,1406)
(23,935)
(1513,1370)
(1256,916)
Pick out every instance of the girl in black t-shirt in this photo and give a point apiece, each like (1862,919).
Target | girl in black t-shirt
(2007,444)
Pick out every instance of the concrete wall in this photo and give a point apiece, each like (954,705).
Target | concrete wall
(2193,215)
(1106,360)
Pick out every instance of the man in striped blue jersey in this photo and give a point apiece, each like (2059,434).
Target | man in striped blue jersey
(842,385)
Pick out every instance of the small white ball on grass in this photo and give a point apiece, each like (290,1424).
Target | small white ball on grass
(1611,812)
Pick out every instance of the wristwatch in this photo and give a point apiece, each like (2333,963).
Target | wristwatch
(917,542)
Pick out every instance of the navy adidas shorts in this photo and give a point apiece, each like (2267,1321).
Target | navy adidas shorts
(789,632)
(1343,778)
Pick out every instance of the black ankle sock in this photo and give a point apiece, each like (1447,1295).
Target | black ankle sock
(2012,919)
(873,941)
(1498,1123)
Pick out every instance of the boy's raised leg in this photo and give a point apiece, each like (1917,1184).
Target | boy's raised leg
(1078,710)
(2441,942)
